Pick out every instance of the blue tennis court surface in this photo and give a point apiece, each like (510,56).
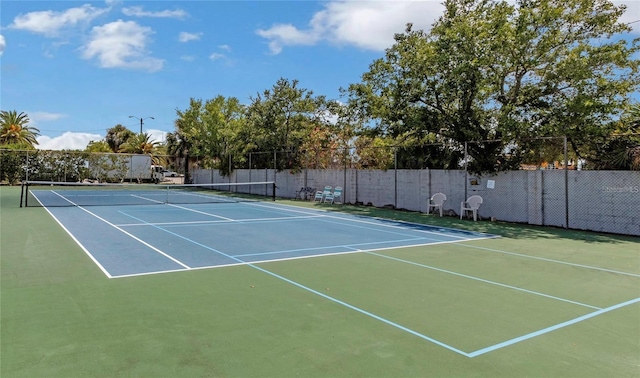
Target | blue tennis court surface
(134,240)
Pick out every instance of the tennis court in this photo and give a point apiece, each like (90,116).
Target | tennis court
(283,288)
(129,240)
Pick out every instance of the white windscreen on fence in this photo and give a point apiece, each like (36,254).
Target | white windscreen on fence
(606,201)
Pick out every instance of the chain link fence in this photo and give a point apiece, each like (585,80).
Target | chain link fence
(76,166)
(548,186)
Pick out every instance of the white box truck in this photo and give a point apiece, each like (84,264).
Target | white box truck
(125,168)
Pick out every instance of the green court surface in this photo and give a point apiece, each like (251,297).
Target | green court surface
(535,302)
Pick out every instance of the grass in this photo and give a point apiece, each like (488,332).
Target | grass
(61,317)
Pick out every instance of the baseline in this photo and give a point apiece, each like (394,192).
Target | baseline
(531,335)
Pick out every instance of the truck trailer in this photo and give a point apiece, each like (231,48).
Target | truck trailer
(125,168)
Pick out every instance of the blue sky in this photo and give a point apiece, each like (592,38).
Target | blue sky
(78,68)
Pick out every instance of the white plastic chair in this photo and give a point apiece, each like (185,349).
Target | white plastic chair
(321,195)
(471,205)
(335,197)
(437,203)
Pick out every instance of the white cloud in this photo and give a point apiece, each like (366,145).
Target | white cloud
(288,35)
(50,23)
(367,24)
(78,141)
(224,47)
(372,25)
(67,141)
(121,44)
(186,37)
(138,11)
(188,58)
(216,56)
(3,44)
(36,117)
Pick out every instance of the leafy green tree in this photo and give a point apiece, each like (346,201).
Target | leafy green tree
(212,127)
(281,119)
(12,163)
(189,125)
(98,146)
(374,153)
(178,146)
(15,131)
(184,141)
(496,74)
(332,143)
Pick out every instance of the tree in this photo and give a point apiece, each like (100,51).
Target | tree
(213,127)
(620,149)
(281,119)
(98,146)
(142,144)
(118,135)
(14,130)
(12,165)
(178,145)
(496,75)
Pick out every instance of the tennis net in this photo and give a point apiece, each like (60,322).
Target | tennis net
(55,194)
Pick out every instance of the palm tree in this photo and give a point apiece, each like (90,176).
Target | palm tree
(142,144)
(14,129)
(633,153)
(117,136)
(621,149)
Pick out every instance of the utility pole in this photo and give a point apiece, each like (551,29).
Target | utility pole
(141,121)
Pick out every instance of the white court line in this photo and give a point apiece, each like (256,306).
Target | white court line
(484,248)
(204,223)
(389,225)
(550,329)
(86,251)
(485,280)
(347,222)
(146,199)
(126,233)
(200,212)
(320,255)
(552,260)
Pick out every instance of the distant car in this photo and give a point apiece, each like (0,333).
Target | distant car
(170,174)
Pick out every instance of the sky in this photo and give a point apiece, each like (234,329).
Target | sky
(78,68)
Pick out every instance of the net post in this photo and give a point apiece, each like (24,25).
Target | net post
(26,193)
(21,193)
(273,192)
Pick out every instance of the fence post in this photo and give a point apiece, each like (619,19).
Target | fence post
(395,177)
(26,171)
(466,172)
(566,184)
(344,178)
